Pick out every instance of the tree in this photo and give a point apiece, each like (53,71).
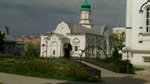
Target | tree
(31,51)
(1,42)
(116,56)
(118,40)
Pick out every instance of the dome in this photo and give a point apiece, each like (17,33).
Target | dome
(86,6)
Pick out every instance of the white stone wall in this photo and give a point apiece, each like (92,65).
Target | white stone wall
(137,40)
(138,59)
(52,48)
(135,20)
(77,40)
(43,46)
(85,19)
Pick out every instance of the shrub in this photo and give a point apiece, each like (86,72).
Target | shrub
(119,66)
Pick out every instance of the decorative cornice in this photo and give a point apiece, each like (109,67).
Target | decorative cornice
(141,9)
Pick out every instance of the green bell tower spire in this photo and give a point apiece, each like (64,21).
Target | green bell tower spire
(85,14)
(86,6)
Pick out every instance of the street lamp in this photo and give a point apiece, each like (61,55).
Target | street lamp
(127,60)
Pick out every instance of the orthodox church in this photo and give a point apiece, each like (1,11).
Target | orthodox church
(79,36)
(137,48)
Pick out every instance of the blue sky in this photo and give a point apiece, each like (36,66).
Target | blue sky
(31,17)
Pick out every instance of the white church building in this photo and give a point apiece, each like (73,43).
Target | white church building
(80,36)
(137,48)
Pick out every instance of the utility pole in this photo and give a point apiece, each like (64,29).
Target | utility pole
(127,61)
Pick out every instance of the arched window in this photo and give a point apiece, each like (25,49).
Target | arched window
(148,19)
(76,43)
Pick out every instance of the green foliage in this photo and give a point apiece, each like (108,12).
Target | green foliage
(138,69)
(116,56)
(121,66)
(32,51)
(118,40)
(118,64)
(47,68)
(1,42)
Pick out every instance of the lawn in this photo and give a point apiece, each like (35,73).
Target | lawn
(138,69)
(64,69)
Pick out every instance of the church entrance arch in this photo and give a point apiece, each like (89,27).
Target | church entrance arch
(67,47)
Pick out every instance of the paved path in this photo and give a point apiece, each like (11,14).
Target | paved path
(108,77)
(17,79)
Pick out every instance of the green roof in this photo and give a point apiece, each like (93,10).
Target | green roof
(85,6)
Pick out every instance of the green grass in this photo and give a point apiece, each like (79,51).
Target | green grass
(65,69)
(138,69)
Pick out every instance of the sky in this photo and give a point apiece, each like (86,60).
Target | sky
(33,17)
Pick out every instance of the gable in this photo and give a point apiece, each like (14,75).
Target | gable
(62,28)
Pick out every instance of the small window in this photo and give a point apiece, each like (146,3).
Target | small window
(76,48)
(147,15)
(54,52)
(148,19)
(140,41)
(147,28)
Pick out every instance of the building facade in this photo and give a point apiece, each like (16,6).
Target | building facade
(23,43)
(80,36)
(138,32)
(28,39)
(9,42)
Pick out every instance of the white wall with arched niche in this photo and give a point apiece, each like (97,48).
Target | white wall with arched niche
(55,46)
(51,46)
(54,49)
(62,28)
(43,46)
(78,44)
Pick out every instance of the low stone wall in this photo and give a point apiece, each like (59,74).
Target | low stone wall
(91,70)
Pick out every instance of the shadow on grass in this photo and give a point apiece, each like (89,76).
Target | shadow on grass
(111,80)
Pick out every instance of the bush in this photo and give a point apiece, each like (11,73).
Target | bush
(119,66)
